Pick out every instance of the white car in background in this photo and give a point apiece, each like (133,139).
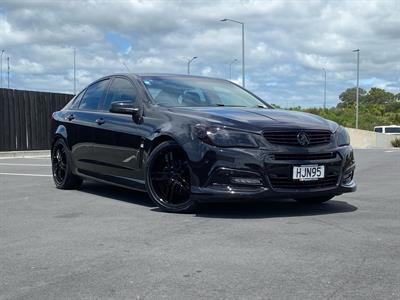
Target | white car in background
(391,129)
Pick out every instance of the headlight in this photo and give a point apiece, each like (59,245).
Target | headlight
(342,137)
(224,138)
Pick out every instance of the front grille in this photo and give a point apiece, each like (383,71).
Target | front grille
(289,137)
(303,156)
(287,183)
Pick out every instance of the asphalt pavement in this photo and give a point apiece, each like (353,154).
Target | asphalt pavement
(102,242)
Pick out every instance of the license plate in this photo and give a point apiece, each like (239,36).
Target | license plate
(312,172)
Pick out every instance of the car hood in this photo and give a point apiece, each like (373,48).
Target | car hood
(255,119)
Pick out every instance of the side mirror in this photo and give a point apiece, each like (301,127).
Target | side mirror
(123,107)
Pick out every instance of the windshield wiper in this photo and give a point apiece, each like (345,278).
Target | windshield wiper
(221,104)
(257,106)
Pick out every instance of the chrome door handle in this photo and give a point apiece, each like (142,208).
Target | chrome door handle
(100,121)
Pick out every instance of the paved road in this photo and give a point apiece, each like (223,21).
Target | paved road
(104,242)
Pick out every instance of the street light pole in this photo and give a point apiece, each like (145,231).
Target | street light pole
(358,83)
(243,72)
(324,89)
(243,63)
(188,64)
(230,68)
(8,72)
(74,71)
(1,68)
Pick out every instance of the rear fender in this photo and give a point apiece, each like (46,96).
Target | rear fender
(61,132)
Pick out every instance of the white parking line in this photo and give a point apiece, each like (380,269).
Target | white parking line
(375,149)
(30,157)
(28,165)
(20,174)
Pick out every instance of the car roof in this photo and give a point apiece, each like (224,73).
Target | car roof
(139,75)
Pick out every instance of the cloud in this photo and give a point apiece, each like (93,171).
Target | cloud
(287,43)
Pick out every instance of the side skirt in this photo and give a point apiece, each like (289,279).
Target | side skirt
(133,184)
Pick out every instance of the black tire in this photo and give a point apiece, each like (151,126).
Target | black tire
(168,178)
(314,200)
(61,167)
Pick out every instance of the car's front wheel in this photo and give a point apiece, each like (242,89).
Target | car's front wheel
(314,200)
(168,178)
(61,167)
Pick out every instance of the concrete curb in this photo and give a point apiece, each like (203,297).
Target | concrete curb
(17,154)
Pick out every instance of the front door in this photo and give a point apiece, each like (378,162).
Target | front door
(117,140)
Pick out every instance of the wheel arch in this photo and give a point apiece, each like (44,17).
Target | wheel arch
(61,132)
(160,139)
(150,145)
(194,148)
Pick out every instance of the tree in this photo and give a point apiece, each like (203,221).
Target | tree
(348,97)
(377,107)
(379,96)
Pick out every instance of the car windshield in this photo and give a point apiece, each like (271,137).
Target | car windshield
(173,91)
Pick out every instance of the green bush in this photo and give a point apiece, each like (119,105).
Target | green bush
(377,107)
(396,142)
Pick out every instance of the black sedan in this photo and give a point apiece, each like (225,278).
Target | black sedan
(188,139)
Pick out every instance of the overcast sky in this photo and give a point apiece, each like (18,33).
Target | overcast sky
(287,43)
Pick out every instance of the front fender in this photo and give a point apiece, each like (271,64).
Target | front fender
(194,148)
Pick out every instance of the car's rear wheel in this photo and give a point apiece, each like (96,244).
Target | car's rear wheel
(168,178)
(314,200)
(61,167)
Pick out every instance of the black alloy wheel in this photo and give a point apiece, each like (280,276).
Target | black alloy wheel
(61,167)
(168,178)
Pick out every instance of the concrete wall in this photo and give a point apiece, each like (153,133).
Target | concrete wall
(369,139)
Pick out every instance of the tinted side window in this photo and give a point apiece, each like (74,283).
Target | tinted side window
(120,90)
(93,95)
(379,129)
(77,99)
(72,104)
(392,130)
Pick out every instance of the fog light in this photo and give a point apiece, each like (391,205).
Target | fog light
(348,177)
(246,181)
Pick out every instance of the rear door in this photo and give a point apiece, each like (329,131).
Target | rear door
(82,121)
(118,139)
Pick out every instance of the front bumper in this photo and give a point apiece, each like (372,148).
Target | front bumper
(238,194)
(213,171)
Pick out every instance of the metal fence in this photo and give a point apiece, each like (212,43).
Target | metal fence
(25,118)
